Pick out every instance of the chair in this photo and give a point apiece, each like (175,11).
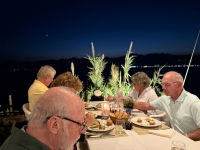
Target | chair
(25,108)
(162,117)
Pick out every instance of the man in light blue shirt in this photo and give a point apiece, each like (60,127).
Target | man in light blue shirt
(182,107)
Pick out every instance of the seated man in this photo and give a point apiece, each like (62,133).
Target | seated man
(181,107)
(55,123)
(44,77)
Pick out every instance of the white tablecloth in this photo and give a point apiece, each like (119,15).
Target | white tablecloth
(140,142)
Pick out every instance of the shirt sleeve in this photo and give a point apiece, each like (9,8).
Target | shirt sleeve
(195,111)
(156,103)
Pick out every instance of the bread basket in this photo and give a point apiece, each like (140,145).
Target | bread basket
(119,115)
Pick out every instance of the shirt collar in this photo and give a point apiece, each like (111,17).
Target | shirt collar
(181,97)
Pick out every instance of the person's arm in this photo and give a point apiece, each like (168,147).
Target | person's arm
(195,135)
(89,118)
(110,98)
(143,106)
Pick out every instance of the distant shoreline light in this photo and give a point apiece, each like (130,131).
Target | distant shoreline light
(141,66)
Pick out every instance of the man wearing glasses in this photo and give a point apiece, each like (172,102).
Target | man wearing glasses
(182,107)
(55,123)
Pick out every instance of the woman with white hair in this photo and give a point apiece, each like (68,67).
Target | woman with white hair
(142,91)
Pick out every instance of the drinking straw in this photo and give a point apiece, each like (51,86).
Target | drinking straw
(191,58)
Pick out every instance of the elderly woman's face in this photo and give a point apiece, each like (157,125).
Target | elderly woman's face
(136,86)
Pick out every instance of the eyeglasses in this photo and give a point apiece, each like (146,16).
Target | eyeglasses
(168,84)
(82,125)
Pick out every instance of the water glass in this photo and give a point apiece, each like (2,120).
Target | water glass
(114,107)
(177,145)
(120,126)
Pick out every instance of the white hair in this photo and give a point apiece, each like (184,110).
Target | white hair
(45,71)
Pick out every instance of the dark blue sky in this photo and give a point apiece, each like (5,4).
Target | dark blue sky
(31,30)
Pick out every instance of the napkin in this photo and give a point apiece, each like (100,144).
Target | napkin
(169,133)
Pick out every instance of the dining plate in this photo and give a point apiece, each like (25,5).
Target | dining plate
(89,106)
(107,128)
(143,121)
(135,110)
(96,113)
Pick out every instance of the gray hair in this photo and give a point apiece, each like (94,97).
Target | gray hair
(52,103)
(141,78)
(45,71)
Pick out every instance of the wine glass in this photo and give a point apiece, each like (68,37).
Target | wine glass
(177,145)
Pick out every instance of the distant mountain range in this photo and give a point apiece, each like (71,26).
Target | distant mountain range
(149,59)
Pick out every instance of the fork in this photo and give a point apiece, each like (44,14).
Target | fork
(101,134)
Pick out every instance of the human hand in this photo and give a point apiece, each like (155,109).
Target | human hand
(122,98)
(109,98)
(89,118)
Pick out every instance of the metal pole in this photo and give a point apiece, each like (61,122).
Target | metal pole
(191,59)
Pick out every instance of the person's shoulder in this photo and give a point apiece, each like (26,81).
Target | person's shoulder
(191,96)
(151,91)
(10,145)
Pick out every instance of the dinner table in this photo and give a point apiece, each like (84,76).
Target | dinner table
(134,141)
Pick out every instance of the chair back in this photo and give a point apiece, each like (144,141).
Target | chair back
(25,108)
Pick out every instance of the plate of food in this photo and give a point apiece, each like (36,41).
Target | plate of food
(88,105)
(145,121)
(101,126)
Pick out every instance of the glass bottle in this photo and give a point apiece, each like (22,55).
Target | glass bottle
(119,94)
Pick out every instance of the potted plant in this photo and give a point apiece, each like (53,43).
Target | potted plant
(128,106)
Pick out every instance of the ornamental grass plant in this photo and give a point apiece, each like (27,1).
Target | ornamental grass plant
(119,77)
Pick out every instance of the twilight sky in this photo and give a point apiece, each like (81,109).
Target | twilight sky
(37,30)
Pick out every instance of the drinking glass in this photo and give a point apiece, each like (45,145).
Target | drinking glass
(177,145)
(120,126)
(114,107)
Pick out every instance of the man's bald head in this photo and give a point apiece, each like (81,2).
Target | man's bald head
(175,76)
(57,101)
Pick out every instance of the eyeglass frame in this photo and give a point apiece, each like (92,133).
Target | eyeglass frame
(65,118)
(168,84)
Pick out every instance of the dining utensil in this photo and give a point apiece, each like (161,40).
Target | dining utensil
(101,134)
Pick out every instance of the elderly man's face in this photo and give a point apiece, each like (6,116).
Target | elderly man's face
(49,79)
(169,85)
(72,130)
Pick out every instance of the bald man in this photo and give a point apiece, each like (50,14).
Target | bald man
(182,107)
(55,123)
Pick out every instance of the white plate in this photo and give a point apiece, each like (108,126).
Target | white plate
(144,122)
(89,106)
(108,128)
(135,110)
(97,113)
